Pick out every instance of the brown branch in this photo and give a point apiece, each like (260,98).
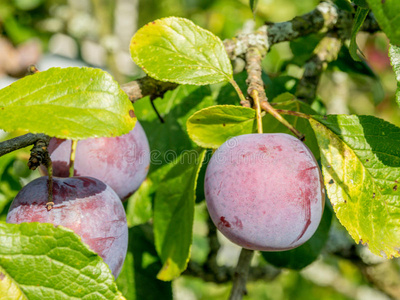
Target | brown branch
(147,86)
(21,142)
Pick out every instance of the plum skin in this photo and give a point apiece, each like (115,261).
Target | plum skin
(121,162)
(86,205)
(265,191)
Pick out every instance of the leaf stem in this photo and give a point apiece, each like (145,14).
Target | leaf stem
(257,106)
(238,90)
(72,158)
(268,108)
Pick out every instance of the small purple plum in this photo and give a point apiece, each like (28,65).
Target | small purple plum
(121,162)
(265,191)
(84,204)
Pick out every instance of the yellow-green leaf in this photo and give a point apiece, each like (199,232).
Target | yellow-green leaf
(175,49)
(360,158)
(74,103)
(213,126)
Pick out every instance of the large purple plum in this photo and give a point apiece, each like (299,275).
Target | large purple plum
(265,191)
(84,204)
(121,162)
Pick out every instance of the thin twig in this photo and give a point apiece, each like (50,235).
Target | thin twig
(268,108)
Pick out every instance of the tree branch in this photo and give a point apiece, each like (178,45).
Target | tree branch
(21,142)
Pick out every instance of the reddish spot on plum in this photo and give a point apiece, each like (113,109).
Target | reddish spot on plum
(2,276)
(132,113)
(224,222)
(85,205)
(395,188)
(279,197)
(121,162)
(238,223)
(263,148)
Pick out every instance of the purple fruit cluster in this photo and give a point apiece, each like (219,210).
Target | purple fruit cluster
(108,170)
(265,191)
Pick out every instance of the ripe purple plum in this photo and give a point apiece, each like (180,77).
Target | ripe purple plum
(121,162)
(265,191)
(84,204)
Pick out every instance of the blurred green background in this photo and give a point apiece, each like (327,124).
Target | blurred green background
(96,33)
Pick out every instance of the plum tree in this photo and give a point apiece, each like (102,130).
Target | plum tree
(121,162)
(265,191)
(86,205)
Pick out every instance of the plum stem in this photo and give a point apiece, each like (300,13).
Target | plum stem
(241,274)
(50,203)
(238,90)
(72,158)
(257,106)
(268,108)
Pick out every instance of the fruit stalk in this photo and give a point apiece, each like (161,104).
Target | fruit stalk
(72,158)
(241,274)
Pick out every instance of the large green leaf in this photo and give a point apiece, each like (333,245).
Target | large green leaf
(386,13)
(302,256)
(174,49)
(139,208)
(394,54)
(360,158)
(137,279)
(48,262)
(213,126)
(167,140)
(75,103)
(173,214)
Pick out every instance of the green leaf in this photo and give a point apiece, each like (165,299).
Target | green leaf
(305,254)
(303,48)
(48,262)
(394,54)
(174,49)
(287,101)
(137,279)
(346,64)
(361,3)
(8,288)
(386,13)
(253,6)
(360,158)
(359,18)
(212,126)
(173,214)
(139,208)
(75,103)
(344,4)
